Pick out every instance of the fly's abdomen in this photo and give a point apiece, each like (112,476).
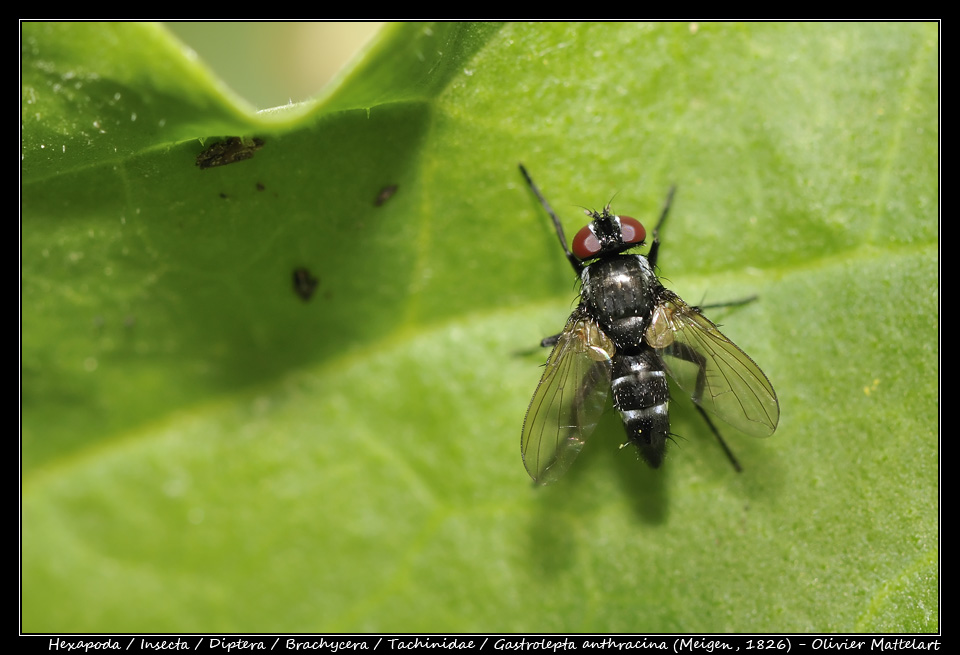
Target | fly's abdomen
(641,395)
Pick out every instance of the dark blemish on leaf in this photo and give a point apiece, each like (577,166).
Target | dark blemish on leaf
(223,195)
(304,284)
(230,151)
(260,186)
(385,194)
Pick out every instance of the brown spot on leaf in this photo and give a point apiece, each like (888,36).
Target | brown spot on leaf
(385,194)
(232,150)
(304,284)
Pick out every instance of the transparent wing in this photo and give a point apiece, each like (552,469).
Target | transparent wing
(719,376)
(568,401)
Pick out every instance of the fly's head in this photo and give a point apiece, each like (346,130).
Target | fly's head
(607,234)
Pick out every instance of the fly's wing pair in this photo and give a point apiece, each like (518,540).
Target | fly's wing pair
(573,391)
(568,401)
(719,376)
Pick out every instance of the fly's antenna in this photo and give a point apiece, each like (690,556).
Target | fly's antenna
(610,202)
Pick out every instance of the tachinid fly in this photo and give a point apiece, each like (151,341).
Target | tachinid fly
(625,334)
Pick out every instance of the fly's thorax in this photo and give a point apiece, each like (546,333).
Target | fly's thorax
(619,293)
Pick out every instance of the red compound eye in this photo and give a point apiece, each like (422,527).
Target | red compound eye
(632,230)
(585,244)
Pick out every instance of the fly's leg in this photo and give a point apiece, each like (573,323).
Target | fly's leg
(723,444)
(692,356)
(546,342)
(655,249)
(655,246)
(550,342)
(577,266)
(585,392)
(729,303)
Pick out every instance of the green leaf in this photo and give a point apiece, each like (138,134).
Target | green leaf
(205,450)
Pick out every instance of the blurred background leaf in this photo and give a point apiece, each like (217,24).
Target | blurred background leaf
(205,450)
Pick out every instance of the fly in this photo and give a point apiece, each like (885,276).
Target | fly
(627,332)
